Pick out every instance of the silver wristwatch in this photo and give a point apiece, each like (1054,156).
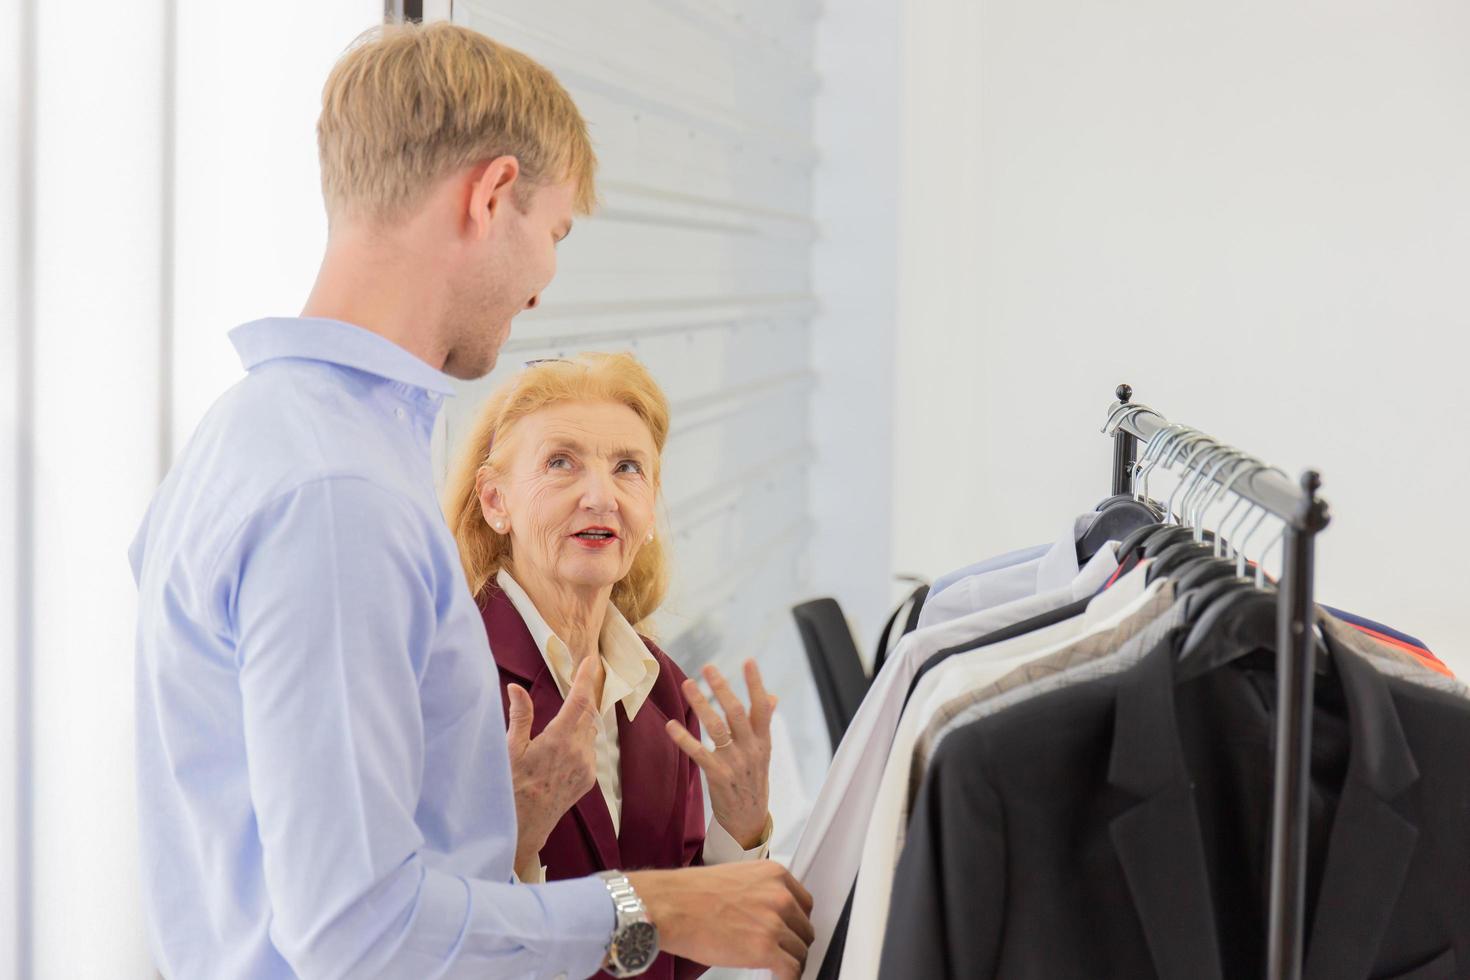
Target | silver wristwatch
(634,943)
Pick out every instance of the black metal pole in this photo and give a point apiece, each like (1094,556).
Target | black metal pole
(1125,449)
(1296,648)
(403,11)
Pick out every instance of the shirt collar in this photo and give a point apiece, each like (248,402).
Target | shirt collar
(631,670)
(334,342)
(1059,565)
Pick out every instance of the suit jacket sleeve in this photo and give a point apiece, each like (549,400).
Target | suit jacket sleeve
(949,891)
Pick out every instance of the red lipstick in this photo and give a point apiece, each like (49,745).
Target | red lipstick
(596,537)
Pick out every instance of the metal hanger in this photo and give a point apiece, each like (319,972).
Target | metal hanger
(1119,515)
(1190,448)
(1204,589)
(1143,466)
(1212,565)
(1197,496)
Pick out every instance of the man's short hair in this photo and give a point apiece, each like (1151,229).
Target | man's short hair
(409,104)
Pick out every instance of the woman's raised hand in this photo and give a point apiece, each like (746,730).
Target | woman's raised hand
(551,772)
(738,766)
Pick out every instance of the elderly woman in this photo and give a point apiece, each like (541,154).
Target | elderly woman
(553,506)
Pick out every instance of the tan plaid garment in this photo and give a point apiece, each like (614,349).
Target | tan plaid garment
(1057,669)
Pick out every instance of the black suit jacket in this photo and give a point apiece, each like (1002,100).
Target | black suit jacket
(1062,838)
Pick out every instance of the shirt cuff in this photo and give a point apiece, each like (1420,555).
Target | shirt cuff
(539,878)
(721,848)
(565,925)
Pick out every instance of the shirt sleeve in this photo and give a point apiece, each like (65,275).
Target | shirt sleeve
(334,613)
(539,878)
(721,848)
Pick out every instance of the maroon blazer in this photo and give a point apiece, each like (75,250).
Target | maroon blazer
(663,800)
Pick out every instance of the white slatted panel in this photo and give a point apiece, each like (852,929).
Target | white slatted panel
(699,263)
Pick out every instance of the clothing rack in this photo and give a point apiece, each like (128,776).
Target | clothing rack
(1304,515)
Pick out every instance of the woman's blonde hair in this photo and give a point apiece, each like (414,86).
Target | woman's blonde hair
(410,103)
(617,378)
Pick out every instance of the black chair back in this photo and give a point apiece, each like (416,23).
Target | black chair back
(836,667)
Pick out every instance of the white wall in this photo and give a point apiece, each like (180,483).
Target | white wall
(250,227)
(98,196)
(1254,213)
(858,122)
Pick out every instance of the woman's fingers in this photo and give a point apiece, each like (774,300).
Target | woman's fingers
(578,713)
(691,746)
(714,725)
(762,704)
(735,715)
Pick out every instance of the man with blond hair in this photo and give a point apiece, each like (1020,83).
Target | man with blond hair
(322,763)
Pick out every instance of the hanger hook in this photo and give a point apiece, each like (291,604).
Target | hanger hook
(1259,466)
(1240,563)
(1210,492)
(1151,456)
(1188,451)
(1240,551)
(1116,417)
(1243,461)
(1261,564)
(1197,479)
(1123,411)
(1220,536)
(1254,466)
(1233,553)
(1240,554)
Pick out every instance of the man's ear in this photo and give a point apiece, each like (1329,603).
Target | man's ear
(491,186)
(492,502)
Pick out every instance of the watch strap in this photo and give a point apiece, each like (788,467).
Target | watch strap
(629,912)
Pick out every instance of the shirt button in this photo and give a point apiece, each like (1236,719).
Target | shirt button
(398,411)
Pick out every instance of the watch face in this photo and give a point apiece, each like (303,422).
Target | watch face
(637,945)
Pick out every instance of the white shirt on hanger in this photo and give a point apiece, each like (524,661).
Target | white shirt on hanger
(963,672)
(1006,583)
(826,859)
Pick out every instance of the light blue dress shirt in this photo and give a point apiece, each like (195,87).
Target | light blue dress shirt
(989,565)
(1009,577)
(324,789)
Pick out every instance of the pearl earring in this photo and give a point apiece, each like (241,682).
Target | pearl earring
(500,525)
(650,537)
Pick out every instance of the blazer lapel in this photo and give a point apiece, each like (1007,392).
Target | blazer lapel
(650,765)
(1371,845)
(517,655)
(592,813)
(1158,840)
(513,647)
